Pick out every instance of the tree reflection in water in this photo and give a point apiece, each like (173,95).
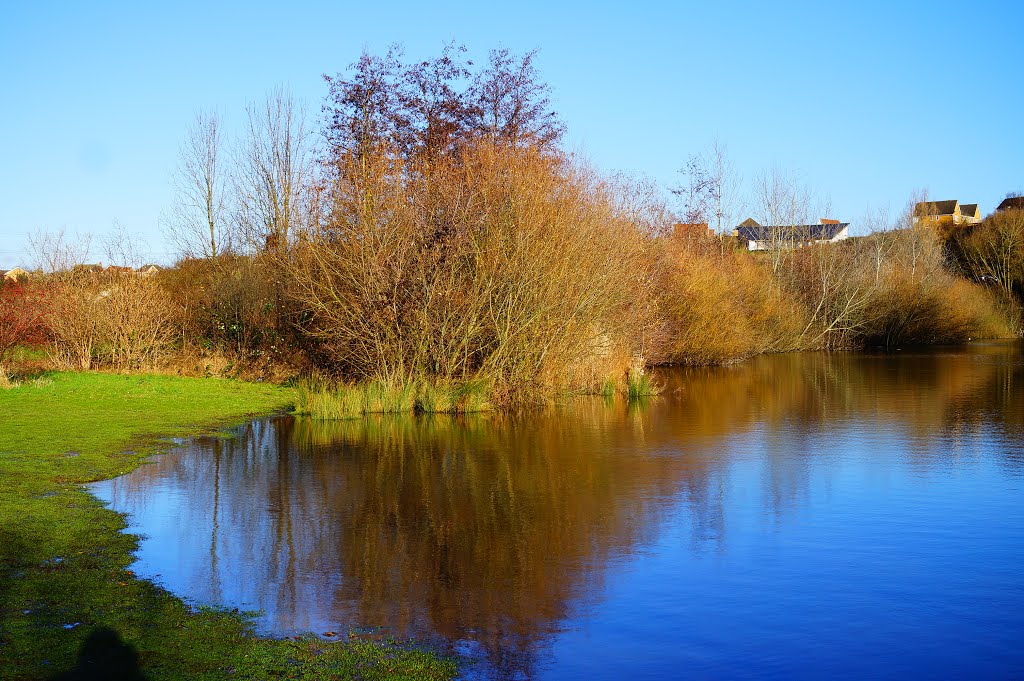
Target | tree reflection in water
(498,530)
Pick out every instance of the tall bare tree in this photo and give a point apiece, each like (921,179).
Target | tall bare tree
(273,166)
(710,189)
(919,246)
(783,204)
(198,222)
(694,191)
(880,240)
(57,251)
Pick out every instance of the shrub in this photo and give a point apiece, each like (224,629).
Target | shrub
(504,265)
(22,311)
(720,305)
(121,320)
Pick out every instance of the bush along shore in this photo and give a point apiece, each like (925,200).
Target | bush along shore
(70,607)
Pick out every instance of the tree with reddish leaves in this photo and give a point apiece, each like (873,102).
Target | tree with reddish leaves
(421,110)
(436,109)
(364,106)
(22,314)
(511,104)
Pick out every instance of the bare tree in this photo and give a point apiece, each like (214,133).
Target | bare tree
(784,206)
(880,239)
(124,249)
(56,251)
(695,192)
(198,223)
(273,166)
(711,189)
(726,181)
(919,246)
(994,250)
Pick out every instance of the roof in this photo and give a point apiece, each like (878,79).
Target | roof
(819,232)
(969,209)
(14,273)
(935,207)
(88,267)
(1012,202)
(749,222)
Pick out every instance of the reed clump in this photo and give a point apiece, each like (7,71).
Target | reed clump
(327,400)
(640,386)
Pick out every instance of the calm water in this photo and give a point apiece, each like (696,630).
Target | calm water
(855,516)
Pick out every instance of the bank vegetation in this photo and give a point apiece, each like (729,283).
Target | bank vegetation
(433,246)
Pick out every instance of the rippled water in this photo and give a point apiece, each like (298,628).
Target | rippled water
(810,515)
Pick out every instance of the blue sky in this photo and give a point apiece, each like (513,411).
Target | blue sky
(866,101)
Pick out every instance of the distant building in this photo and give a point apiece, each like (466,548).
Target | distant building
(15,275)
(87,268)
(1011,203)
(760,237)
(148,270)
(951,211)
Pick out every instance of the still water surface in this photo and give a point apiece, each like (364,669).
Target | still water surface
(794,516)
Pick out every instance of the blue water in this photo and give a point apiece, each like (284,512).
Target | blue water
(801,516)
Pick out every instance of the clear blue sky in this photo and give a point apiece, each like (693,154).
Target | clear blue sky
(868,102)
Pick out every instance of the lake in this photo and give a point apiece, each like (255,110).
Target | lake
(793,516)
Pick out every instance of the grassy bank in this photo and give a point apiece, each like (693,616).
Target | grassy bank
(68,603)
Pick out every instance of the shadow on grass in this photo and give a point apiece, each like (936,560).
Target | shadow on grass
(104,656)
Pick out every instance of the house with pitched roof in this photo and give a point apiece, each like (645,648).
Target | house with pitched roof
(1011,203)
(760,237)
(15,275)
(951,211)
(148,270)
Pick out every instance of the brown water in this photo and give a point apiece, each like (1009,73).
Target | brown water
(792,516)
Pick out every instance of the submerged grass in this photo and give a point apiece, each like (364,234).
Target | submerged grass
(640,386)
(65,587)
(321,399)
(608,388)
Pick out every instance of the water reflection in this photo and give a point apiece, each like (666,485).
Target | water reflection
(497,534)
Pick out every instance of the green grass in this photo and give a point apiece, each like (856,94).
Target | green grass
(64,559)
(608,388)
(640,387)
(322,399)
